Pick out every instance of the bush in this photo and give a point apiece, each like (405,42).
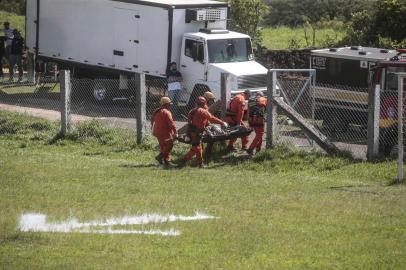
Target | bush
(13,6)
(93,131)
(11,124)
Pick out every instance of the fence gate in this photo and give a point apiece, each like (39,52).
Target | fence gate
(296,87)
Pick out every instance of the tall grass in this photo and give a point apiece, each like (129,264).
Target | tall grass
(285,37)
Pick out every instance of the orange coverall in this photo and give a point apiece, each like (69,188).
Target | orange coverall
(257,122)
(163,129)
(234,117)
(199,118)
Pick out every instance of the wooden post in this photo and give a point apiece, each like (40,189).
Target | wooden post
(374,108)
(65,98)
(271,110)
(225,93)
(141,107)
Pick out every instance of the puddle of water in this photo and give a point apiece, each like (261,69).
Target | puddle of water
(34,222)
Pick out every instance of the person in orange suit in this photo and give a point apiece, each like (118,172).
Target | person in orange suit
(234,117)
(256,121)
(198,119)
(164,129)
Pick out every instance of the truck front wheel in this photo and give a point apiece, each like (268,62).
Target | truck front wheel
(100,92)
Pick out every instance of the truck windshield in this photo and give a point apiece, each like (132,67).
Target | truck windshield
(229,50)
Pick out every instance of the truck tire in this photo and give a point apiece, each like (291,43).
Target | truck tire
(198,90)
(103,90)
(100,92)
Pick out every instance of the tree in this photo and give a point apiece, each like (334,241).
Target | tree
(291,12)
(246,17)
(13,6)
(390,19)
(384,26)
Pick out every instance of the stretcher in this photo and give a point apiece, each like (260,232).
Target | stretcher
(216,133)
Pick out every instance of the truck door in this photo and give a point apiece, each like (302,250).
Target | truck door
(193,59)
(125,39)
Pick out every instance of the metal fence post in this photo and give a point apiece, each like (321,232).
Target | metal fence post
(374,108)
(65,101)
(225,93)
(401,78)
(271,109)
(141,107)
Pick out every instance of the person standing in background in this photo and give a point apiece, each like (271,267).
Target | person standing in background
(174,78)
(8,34)
(16,55)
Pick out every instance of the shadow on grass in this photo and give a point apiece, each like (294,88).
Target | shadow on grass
(138,166)
(395,182)
(353,189)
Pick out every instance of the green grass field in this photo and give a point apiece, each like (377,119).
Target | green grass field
(281,37)
(282,210)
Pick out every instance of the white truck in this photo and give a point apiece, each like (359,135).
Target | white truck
(118,38)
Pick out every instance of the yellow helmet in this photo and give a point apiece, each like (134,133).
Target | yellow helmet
(165,100)
(209,95)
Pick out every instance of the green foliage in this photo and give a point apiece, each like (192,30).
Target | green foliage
(297,12)
(390,19)
(292,38)
(384,26)
(246,17)
(13,6)
(16,124)
(313,14)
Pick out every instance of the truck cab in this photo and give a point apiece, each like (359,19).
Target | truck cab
(210,52)
(386,76)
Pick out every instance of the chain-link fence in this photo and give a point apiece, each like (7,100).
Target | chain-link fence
(339,113)
(297,90)
(343,115)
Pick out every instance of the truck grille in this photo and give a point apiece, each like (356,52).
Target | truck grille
(252,81)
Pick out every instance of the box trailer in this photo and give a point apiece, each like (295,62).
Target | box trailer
(344,77)
(117,38)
